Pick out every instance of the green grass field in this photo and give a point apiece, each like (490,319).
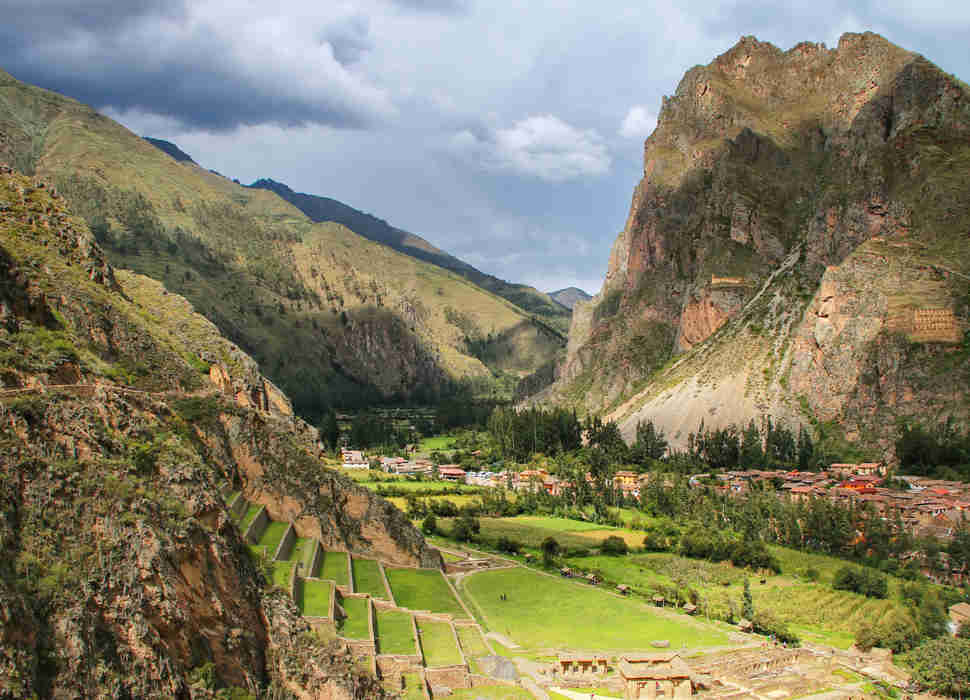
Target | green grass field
(438,644)
(299,550)
(355,625)
(281,574)
(413,687)
(492,692)
(424,487)
(272,536)
(401,503)
(394,634)
(247,518)
(549,612)
(530,531)
(423,589)
(313,598)
(471,641)
(334,568)
(439,442)
(367,578)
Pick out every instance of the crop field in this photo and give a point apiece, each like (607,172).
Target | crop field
(438,644)
(367,578)
(544,612)
(439,442)
(401,503)
(355,625)
(492,692)
(412,687)
(272,536)
(299,550)
(393,631)
(531,531)
(423,488)
(423,589)
(471,641)
(313,598)
(334,567)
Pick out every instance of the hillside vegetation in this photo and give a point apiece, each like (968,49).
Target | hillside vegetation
(331,317)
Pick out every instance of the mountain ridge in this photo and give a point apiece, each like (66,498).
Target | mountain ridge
(569,296)
(789,235)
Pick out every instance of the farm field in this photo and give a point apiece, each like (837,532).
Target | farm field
(412,687)
(367,578)
(281,574)
(530,531)
(272,536)
(299,550)
(401,502)
(423,487)
(544,612)
(438,644)
(423,589)
(439,442)
(471,641)
(355,625)
(334,568)
(394,634)
(313,598)
(492,692)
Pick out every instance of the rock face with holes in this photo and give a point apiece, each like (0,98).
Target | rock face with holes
(781,191)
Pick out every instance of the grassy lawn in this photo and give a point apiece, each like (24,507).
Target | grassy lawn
(448,556)
(438,644)
(530,531)
(412,687)
(394,634)
(439,442)
(423,589)
(334,568)
(314,598)
(548,612)
(471,641)
(301,546)
(355,624)
(281,574)
(249,515)
(272,536)
(367,578)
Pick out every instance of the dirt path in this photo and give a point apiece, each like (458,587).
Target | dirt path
(503,640)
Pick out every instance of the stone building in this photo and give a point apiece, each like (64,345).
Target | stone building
(655,675)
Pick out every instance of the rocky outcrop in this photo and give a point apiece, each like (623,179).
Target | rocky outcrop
(124,420)
(767,170)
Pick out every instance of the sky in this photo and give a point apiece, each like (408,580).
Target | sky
(509,134)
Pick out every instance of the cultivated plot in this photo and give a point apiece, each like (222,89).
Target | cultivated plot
(394,633)
(438,644)
(367,578)
(423,589)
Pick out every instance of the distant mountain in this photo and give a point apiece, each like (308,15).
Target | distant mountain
(569,296)
(320,209)
(171,149)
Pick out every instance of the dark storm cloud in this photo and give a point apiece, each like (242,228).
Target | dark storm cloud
(210,68)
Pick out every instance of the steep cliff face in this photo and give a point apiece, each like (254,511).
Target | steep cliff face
(767,173)
(124,418)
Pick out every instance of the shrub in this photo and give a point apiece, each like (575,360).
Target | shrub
(896,631)
(858,580)
(766,623)
(508,545)
(942,666)
(429,525)
(614,546)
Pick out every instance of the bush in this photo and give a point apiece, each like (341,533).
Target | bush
(864,581)
(942,666)
(430,524)
(896,631)
(614,546)
(510,546)
(550,549)
(766,623)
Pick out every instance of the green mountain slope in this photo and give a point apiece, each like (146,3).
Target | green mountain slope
(332,318)
(796,247)
(325,209)
(127,422)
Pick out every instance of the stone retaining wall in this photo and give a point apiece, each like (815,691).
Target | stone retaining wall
(257,527)
(387,585)
(238,507)
(285,547)
(313,569)
(451,676)
(395,664)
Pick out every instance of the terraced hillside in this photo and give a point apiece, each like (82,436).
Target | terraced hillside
(332,318)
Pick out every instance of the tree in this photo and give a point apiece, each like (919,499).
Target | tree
(330,430)
(752,456)
(429,525)
(550,550)
(651,444)
(747,604)
(465,528)
(614,546)
(896,631)
(942,666)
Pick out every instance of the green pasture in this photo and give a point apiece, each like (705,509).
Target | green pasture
(544,611)
(300,548)
(355,625)
(530,531)
(281,574)
(313,598)
(438,644)
(334,567)
(423,589)
(394,633)
(424,488)
(413,687)
(471,641)
(367,578)
(438,442)
(401,502)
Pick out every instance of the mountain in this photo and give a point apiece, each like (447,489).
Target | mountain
(331,317)
(569,296)
(127,421)
(797,247)
(321,209)
(171,149)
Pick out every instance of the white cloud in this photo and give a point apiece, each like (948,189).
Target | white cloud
(638,124)
(542,146)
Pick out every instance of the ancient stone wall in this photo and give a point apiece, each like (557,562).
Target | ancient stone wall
(285,547)
(257,527)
